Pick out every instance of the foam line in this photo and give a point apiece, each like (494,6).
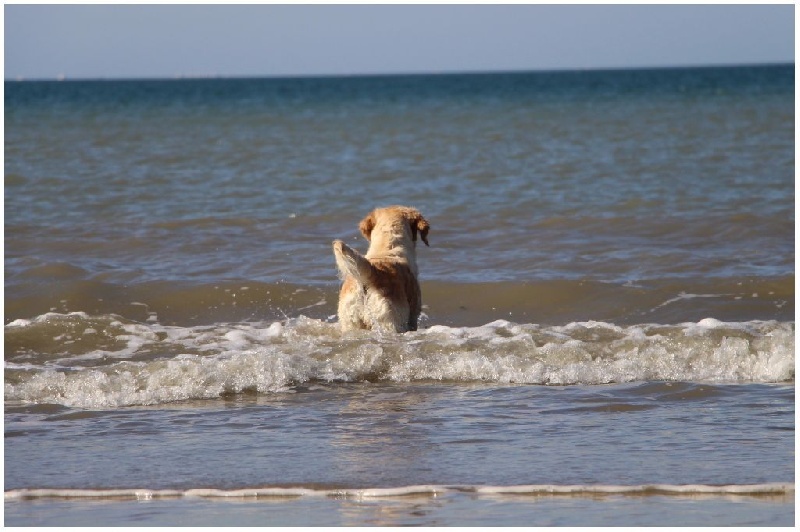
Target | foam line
(643,489)
(777,488)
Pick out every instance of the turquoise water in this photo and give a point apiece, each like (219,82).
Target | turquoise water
(608,300)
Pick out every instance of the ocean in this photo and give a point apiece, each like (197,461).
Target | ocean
(607,335)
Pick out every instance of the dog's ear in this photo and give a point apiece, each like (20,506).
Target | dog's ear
(418,223)
(367,225)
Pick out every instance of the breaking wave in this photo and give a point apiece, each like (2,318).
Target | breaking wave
(94,362)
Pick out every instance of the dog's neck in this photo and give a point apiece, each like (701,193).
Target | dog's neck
(393,242)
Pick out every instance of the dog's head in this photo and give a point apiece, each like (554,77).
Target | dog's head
(392,216)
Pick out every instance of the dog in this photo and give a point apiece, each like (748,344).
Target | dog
(380,290)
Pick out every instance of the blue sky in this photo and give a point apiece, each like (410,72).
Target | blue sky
(105,41)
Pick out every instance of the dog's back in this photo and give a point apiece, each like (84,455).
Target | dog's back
(381,291)
(379,294)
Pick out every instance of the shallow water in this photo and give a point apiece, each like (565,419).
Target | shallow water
(315,451)
(608,300)
(388,435)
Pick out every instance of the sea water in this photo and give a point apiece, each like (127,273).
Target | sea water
(607,334)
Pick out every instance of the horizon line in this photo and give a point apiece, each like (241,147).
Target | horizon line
(455,72)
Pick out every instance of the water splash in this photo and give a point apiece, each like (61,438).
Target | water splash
(123,363)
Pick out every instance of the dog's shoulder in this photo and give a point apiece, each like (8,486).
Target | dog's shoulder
(394,277)
(391,266)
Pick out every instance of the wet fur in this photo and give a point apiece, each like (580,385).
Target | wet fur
(380,289)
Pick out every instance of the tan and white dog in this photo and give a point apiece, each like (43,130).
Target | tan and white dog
(381,290)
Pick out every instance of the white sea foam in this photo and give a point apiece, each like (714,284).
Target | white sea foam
(147,363)
(539,490)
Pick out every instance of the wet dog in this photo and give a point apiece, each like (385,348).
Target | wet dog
(380,290)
